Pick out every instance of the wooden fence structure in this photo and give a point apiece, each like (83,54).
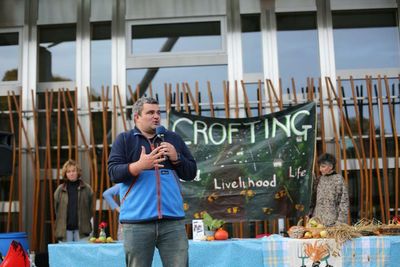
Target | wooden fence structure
(362,114)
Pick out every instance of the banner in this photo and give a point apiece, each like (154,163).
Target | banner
(249,169)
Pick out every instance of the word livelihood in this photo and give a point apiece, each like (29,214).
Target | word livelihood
(220,184)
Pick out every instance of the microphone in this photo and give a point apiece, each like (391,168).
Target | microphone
(160,131)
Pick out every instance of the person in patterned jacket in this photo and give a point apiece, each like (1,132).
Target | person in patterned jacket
(330,198)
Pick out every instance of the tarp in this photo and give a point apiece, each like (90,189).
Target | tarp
(252,168)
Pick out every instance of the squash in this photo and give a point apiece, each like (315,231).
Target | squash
(221,234)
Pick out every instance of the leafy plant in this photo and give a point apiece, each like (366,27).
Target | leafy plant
(211,223)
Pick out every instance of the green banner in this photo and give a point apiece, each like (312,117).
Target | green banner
(249,169)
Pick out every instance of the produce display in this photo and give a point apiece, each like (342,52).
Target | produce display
(342,232)
(101,239)
(102,235)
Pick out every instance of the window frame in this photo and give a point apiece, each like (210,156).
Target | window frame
(7,85)
(359,73)
(175,59)
(43,86)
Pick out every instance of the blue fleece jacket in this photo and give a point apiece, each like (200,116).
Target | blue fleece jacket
(155,194)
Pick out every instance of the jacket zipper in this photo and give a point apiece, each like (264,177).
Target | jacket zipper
(158,186)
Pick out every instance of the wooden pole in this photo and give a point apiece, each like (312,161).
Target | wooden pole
(210,99)
(260,101)
(364,170)
(375,147)
(246,100)
(67,125)
(236,100)
(75,111)
(198,100)
(321,115)
(12,177)
(185,98)
(192,99)
(20,126)
(58,135)
(226,98)
(336,138)
(271,106)
(294,91)
(78,124)
(49,168)
(396,148)
(94,154)
(280,101)
(177,98)
(121,108)
(383,150)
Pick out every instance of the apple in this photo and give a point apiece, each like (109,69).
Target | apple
(92,239)
(323,233)
(307,235)
(102,239)
(313,223)
(316,235)
(109,239)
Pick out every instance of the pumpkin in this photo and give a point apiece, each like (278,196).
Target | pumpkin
(296,231)
(221,234)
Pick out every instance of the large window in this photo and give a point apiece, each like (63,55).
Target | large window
(10,56)
(100,65)
(366,39)
(176,37)
(251,43)
(298,55)
(57,48)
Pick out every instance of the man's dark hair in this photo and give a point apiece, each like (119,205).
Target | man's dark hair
(327,158)
(138,106)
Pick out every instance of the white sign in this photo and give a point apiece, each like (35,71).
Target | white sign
(198,230)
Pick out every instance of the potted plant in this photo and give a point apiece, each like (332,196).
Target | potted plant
(211,224)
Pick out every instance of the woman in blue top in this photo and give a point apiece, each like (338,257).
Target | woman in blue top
(108,196)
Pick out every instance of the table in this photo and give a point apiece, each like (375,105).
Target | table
(229,253)
(361,252)
(271,251)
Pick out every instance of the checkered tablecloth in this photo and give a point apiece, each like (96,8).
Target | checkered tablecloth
(364,251)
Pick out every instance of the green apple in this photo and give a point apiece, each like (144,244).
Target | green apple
(102,239)
(307,235)
(323,233)
(313,223)
(92,239)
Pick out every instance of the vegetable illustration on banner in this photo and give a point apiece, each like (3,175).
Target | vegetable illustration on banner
(249,169)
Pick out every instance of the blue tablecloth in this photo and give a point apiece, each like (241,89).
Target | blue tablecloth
(230,253)
(365,251)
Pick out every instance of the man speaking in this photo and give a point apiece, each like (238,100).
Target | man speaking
(149,163)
